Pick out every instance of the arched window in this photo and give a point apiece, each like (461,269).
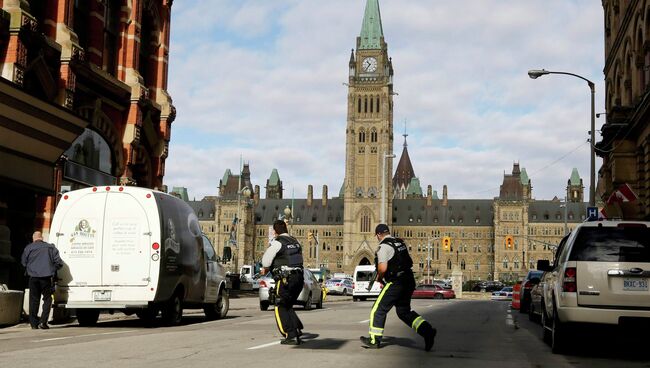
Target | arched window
(516,263)
(373,135)
(365,109)
(362,136)
(372,104)
(505,262)
(365,222)
(91,150)
(378,104)
(462,264)
(359,105)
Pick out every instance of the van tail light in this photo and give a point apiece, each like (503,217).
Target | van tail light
(569,284)
(353,285)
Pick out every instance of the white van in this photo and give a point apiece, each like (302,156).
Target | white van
(134,250)
(361,280)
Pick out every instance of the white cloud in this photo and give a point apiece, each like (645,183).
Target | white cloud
(264,79)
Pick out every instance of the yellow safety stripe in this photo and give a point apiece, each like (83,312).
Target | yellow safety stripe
(416,323)
(376,305)
(277,314)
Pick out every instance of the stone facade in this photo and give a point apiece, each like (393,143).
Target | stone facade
(625,144)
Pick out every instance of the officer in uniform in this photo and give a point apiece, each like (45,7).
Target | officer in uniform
(284,259)
(393,265)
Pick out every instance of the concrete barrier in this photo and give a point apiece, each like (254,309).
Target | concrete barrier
(11,303)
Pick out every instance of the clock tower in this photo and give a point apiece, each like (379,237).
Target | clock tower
(369,139)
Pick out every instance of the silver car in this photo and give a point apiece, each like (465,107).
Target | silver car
(311,294)
(339,286)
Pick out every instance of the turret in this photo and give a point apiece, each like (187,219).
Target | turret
(324,203)
(310,195)
(445,200)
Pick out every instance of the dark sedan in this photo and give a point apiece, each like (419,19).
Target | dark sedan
(429,291)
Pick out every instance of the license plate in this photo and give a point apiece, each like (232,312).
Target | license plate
(101,295)
(635,284)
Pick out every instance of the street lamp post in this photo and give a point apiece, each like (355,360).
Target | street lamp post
(565,205)
(534,74)
(383,186)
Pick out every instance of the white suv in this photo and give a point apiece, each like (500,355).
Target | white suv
(599,275)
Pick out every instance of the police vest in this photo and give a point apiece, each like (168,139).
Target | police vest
(401,261)
(290,254)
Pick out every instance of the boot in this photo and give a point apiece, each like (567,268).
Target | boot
(429,333)
(367,341)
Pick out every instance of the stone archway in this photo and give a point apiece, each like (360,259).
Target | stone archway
(364,262)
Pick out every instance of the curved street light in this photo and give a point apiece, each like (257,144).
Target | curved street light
(536,73)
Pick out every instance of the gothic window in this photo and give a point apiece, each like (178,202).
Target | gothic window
(516,262)
(372,104)
(462,264)
(505,262)
(359,105)
(362,149)
(373,149)
(449,264)
(373,135)
(91,150)
(365,222)
(362,136)
(365,109)
(378,104)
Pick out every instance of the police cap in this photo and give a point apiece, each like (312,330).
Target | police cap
(381,229)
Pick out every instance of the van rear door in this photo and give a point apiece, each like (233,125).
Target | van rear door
(79,236)
(127,242)
(613,266)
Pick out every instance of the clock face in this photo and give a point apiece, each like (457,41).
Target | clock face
(369,64)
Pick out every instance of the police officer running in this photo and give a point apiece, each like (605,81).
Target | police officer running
(41,261)
(284,259)
(393,265)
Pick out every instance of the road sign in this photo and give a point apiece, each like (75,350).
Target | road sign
(592,213)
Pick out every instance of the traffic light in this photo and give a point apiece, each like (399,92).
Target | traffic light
(446,244)
(509,241)
(310,236)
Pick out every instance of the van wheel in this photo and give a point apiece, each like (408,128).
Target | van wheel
(87,317)
(308,303)
(147,315)
(355,299)
(219,309)
(264,305)
(172,312)
(319,305)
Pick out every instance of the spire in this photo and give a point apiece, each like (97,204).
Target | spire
(404,172)
(575,177)
(352,58)
(275,178)
(524,177)
(371,30)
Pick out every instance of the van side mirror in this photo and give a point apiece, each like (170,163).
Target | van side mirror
(227,254)
(544,265)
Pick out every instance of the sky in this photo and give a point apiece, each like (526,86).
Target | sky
(263,81)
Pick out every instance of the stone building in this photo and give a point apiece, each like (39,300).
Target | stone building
(343,226)
(625,144)
(83,102)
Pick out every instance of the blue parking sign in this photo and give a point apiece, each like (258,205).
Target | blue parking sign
(592,213)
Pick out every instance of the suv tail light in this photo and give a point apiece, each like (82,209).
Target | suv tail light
(569,284)
(353,285)
(263,284)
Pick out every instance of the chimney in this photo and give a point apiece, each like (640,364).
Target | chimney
(445,201)
(256,195)
(324,195)
(429,196)
(310,195)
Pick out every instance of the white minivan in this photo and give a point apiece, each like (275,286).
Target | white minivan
(134,250)
(362,277)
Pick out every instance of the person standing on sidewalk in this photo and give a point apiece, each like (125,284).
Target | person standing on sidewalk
(41,261)
(393,265)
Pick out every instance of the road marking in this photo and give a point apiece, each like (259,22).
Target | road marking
(264,345)
(365,321)
(509,321)
(76,336)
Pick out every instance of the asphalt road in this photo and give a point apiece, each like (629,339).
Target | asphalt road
(470,334)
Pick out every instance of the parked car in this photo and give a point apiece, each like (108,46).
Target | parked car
(503,294)
(339,286)
(599,277)
(537,292)
(488,286)
(532,278)
(432,291)
(311,293)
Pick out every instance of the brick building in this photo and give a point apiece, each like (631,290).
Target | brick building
(83,95)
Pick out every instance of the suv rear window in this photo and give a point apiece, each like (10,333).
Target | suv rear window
(612,244)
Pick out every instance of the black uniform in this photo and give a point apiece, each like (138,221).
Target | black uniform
(287,270)
(41,261)
(397,291)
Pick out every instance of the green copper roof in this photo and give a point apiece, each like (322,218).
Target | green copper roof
(414,187)
(226,175)
(524,177)
(275,178)
(435,195)
(371,30)
(575,177)
(182,192)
